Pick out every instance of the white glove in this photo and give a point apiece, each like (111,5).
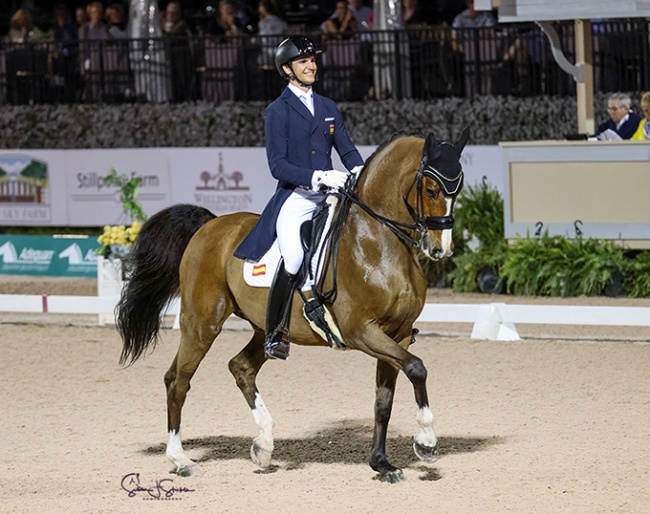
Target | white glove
(331,179)
(356,171)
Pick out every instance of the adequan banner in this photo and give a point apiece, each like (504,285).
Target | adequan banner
(64,256)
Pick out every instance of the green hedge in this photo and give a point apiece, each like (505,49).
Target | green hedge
(535,266)
(202,124)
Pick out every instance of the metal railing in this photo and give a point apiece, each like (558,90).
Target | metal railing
(421,63)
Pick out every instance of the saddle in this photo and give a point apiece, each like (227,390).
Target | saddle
(314,244)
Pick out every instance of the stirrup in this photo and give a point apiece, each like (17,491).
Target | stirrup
(275,347)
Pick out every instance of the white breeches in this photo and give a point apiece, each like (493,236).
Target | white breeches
(297,209)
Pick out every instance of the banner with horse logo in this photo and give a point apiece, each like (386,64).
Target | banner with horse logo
(62,256)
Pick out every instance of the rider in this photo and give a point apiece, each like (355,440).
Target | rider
(301,127)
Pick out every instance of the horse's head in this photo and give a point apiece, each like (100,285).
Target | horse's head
(432,194)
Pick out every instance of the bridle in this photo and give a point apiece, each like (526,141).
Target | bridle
(450,186)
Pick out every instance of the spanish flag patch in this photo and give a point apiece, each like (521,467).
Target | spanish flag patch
(259,269)
(332,128)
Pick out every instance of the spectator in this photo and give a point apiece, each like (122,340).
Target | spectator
(270,24)
(178,37)
(642,132)
(471,18)
(25,64)
(362,13)
(473,44)
(22,28)
(81,16)
(172,22)
(116,21)
(412,12)
(65,73)
(91,37)
(623,121)
(227,22)
(342,24)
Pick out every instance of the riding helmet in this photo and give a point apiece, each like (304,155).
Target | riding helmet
(292,48)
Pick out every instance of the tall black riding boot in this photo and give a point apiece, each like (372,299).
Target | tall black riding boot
(278,313)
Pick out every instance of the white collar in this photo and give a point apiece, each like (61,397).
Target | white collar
(623,120)
(299,92)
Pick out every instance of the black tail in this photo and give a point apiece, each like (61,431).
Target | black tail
(152,272)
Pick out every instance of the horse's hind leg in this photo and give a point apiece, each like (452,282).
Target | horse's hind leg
(244,367)
(385,392)
(191,352)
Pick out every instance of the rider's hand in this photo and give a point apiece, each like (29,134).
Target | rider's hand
(356,171)
(331,179)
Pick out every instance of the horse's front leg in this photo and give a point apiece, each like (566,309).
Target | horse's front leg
(393,357)
(245,367)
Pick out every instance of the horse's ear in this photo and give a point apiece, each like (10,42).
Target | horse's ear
(462,141)
(432,147)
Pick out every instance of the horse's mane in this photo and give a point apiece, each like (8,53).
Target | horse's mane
(396,135)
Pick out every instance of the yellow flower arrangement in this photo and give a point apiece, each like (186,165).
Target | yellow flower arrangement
(117,239)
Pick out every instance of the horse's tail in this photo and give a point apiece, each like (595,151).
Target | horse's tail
(152,271)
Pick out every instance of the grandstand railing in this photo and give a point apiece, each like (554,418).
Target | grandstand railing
(420,63)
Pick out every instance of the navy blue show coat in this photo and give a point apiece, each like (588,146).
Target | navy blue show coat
(297,143)
(628,128)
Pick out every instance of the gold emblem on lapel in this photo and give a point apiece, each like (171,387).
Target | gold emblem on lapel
(332,128)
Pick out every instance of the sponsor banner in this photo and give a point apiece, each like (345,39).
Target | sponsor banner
(60,256)
(93,203)
(66,187)
(223,180)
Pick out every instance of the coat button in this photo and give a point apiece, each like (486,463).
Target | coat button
(313,152)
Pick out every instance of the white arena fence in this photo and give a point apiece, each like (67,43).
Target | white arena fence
(491,321)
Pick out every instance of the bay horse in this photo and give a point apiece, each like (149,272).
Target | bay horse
(402,205)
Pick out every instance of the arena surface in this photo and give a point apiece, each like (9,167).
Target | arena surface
(556,423)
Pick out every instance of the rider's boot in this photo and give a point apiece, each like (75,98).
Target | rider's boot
(278,314)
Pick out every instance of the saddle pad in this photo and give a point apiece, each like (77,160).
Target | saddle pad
(260,273)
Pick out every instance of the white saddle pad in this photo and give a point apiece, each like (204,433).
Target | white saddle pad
(260,273)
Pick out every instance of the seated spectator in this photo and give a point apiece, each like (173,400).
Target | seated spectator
(116,21)
(622,120)
(362,13)
(227,22)
(413,13)
(81,16)
(22,28)
(642,132)
(342,24)
(172,22)
(470,17)
(271,22)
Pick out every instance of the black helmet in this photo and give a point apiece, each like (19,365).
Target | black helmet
(290,49)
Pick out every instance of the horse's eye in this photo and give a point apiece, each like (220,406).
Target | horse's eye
(431,193)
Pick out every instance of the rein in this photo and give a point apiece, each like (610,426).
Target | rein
(329,252)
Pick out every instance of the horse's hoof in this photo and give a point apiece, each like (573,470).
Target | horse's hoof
(393,476)
(188,470)
(426,454)
(261,456)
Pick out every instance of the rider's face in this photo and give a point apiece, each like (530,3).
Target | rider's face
(305,69)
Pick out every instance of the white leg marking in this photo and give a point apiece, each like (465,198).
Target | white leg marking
(176,454)
(426,436)
(262,448)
